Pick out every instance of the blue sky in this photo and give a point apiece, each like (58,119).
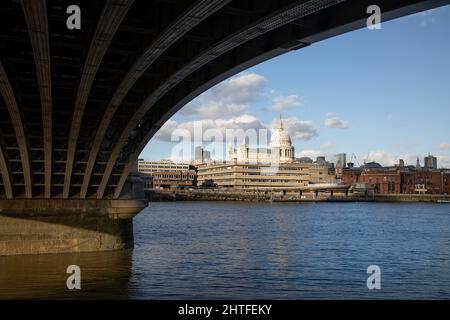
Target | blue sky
(380,94)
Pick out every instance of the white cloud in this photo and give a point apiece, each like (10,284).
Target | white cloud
(223,110)
(213,134)
(227,99)
(214,110)
(172,129)
(165,133)
(298,129)
(444,146)
(335,122)
(384,158)
(283,103)
(241,89)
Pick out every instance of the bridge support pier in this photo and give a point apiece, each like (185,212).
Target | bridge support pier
(56,226)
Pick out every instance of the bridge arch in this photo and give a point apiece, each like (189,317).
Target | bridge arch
(273,43)
(105,90)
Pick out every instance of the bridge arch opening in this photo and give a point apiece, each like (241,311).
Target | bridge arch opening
(84,103)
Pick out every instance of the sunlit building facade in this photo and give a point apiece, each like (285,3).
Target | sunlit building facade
(165,174)
(262,168)
(280,149)
(255,176)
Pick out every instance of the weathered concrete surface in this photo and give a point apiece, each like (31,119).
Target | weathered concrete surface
(114,209)
(245,195)
(63,234)
(55,226)
(208,195)
(444,198)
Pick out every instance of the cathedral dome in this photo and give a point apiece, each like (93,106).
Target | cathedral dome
(280,139)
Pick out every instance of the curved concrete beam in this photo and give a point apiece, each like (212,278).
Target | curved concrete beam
(131,161)
(6,175)
(36,17)
(112,15)
(282,17)
(188,20)
(11,104)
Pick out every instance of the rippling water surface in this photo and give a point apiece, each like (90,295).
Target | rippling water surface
(214,250)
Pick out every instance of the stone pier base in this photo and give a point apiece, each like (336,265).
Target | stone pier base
(56,226)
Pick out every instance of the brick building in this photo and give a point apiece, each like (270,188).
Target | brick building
(430,181)
(383,180)
(351,176)
(400,179)
(446,183)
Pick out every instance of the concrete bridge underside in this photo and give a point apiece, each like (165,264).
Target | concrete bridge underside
(78,106)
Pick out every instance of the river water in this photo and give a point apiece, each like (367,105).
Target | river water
(218,250)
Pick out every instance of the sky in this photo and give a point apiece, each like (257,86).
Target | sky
(380,95)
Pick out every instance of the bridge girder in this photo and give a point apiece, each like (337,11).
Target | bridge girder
(37,21)
(191,18)
(112,15)
(16,120)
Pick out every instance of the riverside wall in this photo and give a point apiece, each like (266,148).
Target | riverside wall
(280,196)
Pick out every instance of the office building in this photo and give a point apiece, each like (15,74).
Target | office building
(255,176)
(340,160)
(166,174)
(259,168)
(430,162)
(201,156)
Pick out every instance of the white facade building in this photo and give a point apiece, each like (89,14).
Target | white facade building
(149,167)
(280,149)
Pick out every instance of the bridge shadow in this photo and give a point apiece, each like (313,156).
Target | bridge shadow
(103,275)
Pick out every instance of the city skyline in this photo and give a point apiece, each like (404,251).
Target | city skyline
(387,126)
(234,153)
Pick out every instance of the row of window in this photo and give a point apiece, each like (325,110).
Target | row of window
(172,176)
(270,181)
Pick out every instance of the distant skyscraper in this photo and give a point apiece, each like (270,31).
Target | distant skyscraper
(418,167)
(430,162)
(206,156)
(340,160)
(198,154)
(201,155)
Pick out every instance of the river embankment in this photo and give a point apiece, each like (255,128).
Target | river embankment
(285,196)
